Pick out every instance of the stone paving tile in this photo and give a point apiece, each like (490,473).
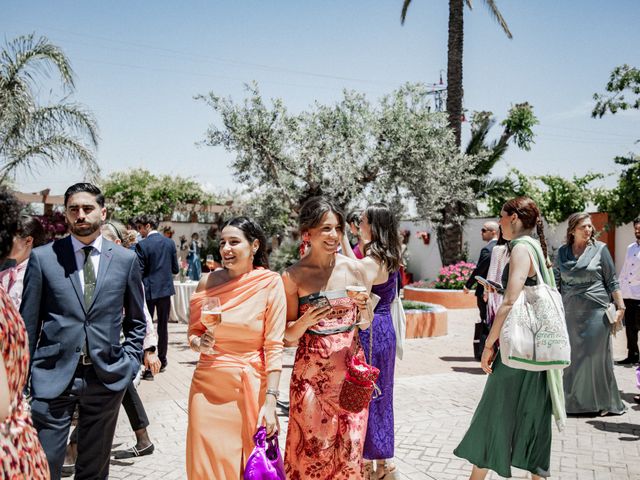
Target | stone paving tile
(438,385)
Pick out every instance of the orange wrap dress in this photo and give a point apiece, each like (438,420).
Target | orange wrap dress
(228,387)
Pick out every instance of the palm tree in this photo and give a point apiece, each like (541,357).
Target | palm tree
(450,229)
(31,133)
(454,55)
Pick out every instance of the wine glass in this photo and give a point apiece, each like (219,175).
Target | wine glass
(211,317)
(355,286)
(211,263)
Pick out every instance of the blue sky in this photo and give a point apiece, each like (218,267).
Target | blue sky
(139,64)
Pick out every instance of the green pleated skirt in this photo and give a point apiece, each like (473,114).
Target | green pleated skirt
(512,423)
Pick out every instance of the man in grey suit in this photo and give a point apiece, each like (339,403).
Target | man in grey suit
(80,292)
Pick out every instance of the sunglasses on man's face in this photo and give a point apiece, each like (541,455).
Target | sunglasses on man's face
(484,230)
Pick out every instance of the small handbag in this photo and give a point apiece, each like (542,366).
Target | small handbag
(265,461)
(534,335)
(399,320)
(360,379)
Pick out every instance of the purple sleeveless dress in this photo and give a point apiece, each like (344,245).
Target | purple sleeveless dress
(379,442)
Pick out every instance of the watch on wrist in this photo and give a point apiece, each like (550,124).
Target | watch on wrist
(275,393)
(151,349)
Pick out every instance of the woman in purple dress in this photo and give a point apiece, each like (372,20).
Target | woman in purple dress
(382,250)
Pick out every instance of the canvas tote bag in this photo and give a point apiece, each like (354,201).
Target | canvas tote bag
(534,335)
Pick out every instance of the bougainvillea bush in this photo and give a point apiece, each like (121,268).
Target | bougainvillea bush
(451,277)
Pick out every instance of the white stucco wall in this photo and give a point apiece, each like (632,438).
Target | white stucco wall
(424,260)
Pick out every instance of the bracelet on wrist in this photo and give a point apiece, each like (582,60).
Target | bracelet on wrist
(623,308)
(275,393)
(488,347)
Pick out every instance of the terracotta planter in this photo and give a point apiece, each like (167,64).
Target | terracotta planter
(421,323)
(452,299)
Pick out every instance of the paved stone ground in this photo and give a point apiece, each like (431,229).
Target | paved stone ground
(438,385)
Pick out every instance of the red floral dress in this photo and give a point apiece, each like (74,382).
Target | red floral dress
(21,455)
(324,442)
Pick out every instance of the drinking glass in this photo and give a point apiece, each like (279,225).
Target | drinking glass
(211,263)
(211,316)
(355,286)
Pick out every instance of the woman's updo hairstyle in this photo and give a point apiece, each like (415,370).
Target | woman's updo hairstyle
(529,214)
(313,211)
(252,231)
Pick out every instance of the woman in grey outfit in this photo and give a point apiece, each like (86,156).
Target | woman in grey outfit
(586,277)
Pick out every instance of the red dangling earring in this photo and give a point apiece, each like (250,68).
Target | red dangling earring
(304,246)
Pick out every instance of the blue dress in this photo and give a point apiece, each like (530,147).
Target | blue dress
(193,259)
(379,442)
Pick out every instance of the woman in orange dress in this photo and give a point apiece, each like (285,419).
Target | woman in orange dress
(234,389)
(324,442)
(21,455)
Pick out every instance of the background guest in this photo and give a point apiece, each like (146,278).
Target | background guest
(158,263)
(235,386)
(193,258)
(323,440)
(586,276)
(21,455)
(30,235)
(489,232)
(353,222)
(382,247)
(630,289)
(499,259)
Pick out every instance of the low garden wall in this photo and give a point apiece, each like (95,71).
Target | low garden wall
(451,299)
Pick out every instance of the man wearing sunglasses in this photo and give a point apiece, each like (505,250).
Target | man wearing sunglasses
(490,232)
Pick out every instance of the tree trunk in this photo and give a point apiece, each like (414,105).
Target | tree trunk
(454,66)
(450,231)
(450,237)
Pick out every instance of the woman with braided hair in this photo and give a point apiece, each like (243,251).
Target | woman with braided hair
(512,423)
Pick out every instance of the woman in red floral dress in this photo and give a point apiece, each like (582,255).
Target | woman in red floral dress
(21,455)
(324,441)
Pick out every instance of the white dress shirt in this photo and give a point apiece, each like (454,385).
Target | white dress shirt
(94,257)
(630,273)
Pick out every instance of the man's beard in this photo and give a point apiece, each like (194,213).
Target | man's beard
(85,230)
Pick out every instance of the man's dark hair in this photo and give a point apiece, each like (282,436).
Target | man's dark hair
(144,219)
(10,208)
(31,227)
(84,187)
(636,220)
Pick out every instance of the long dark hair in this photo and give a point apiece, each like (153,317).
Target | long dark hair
(314,209)
(9,220)
(529,214)
(252,231)
(385,244)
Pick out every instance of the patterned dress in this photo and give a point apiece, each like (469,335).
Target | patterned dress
(324,442)
(21,455)
(379,443)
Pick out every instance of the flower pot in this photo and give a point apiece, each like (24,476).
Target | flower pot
(450,299)
(427,323)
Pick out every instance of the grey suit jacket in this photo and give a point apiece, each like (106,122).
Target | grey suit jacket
(58,324)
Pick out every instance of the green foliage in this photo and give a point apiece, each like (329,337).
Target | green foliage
(349,151)
(47,134)
(138,191)
(517,126)
(410,305)
(623,202)
(284,256)
(623,80)
(557,197)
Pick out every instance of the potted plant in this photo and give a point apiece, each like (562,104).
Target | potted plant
(447,289)
(424,319)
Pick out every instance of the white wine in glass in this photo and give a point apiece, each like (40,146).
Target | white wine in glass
(211,263)
(211,316)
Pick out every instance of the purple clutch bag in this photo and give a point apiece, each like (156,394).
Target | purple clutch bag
(265,462)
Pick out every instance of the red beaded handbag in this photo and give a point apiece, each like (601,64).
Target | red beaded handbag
(360,380)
